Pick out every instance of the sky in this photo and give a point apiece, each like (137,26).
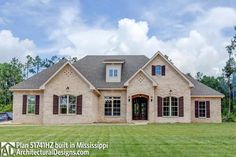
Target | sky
(192,33)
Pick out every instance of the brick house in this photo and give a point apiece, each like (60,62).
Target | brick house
(121,88)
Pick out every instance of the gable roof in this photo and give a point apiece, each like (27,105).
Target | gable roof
(93,68)
(93,71)
(141,70)
(76,70)
(201,89)
(172,65)
(39,79)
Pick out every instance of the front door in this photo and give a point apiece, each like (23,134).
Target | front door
(140,108)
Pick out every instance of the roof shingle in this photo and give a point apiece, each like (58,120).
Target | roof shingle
(39,79)
(201,89)
(93,69)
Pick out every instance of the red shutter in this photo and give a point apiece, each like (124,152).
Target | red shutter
(196,109)
(79,104)
(163,70)
(24,104)
(181,106)
(208,109)
(159,106)
(37,104)
(153,70)
(55,104)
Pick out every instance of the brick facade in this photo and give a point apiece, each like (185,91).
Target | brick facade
(68,82)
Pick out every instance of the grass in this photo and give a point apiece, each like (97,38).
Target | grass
(177,140)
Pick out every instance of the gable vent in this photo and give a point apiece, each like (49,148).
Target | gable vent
(68,72)
(140,78)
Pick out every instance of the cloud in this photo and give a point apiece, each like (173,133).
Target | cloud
(192,53)
(11,46)
(188,34)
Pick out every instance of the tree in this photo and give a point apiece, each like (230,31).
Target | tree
(214,82)
(38,64)
(49,62)
(10,74)
(28,66)
(199,76)
(229,69)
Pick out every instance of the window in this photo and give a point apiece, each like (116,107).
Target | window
(166,108)
(113,72)
(158,70)
(174,106)
(63,104)
(112,106)
(202,109)
(170,106)
(67,104)
(72,104)
(31,104)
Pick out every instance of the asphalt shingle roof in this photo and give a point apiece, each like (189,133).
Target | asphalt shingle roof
(93,69)
(201,89)
(39,79)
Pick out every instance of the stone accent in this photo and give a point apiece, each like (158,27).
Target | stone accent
(215,110)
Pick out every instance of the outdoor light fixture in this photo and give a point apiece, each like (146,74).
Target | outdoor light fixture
(151,98)
(67,88)
(129,98)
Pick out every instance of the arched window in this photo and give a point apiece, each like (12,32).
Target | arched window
(67,104)
(170,106)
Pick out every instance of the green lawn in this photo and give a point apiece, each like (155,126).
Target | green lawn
(177,140)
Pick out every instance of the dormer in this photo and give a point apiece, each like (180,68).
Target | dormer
(113,70)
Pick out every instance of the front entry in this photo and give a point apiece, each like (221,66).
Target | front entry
(140,108)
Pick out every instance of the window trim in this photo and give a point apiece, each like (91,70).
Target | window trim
(204,108)
(112,106)
(67,105)
(170,107)
(28,104)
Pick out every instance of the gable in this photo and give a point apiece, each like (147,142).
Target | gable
(171,74)
(140,83)
(140,72)
(67,77)
(37,80)
(67,64)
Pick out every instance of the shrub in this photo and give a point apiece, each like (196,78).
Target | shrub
(230,118)
(6,108)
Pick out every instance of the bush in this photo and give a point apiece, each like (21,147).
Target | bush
(6,108)
(230,118)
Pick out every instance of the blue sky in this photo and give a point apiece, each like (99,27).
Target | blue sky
(193,33)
